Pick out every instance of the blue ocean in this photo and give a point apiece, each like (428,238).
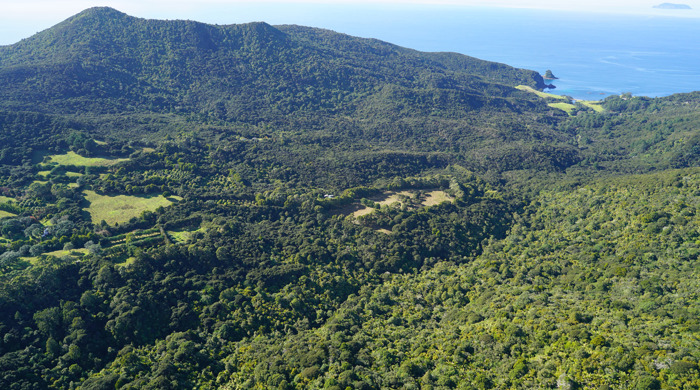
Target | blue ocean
(594,55)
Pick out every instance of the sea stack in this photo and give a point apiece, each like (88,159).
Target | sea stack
(548,75)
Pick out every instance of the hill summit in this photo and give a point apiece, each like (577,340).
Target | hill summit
(102,57)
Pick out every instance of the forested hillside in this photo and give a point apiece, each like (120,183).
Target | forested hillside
(185,206)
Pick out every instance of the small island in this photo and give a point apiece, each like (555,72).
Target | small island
(548,75)
(672,6)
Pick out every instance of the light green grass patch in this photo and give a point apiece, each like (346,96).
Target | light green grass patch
(539,93)
(30,260)
(363,211)
(6,214)
(386,199)
(182,236)
(72,158)
(567,107)
(6,199)
(436,197)
(394,198)
(129,261)
(121,208)
(44,174)
(73,252)
(592,104)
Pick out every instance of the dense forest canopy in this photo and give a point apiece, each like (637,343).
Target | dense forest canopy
(186,205)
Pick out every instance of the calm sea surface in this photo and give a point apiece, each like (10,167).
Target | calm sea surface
(594,55)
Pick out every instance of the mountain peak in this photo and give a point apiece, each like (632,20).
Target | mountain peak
(101,11)
(98,14)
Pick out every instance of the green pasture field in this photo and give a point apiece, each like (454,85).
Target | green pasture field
(436,197)
(539,93)
(6,214)
(127,262)
(593,104)
(72,158)
(568,107)
(121,208)
(182,236)
(389,198)
(72,252)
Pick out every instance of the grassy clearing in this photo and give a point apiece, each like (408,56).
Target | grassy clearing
(72,158)
(394,198)
(44,174)
(121,208)
(6,214)
(30,260)
(567,107)
(432,198)
(127,262)
(6,199)
(73,252)
(539,93)
(436,197)
(385,199)
(135,237)
(363,211)
(592,104)
(181,236)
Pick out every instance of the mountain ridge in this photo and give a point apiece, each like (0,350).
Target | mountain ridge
(107,40)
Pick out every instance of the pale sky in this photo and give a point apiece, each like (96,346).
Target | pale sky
(22,18)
